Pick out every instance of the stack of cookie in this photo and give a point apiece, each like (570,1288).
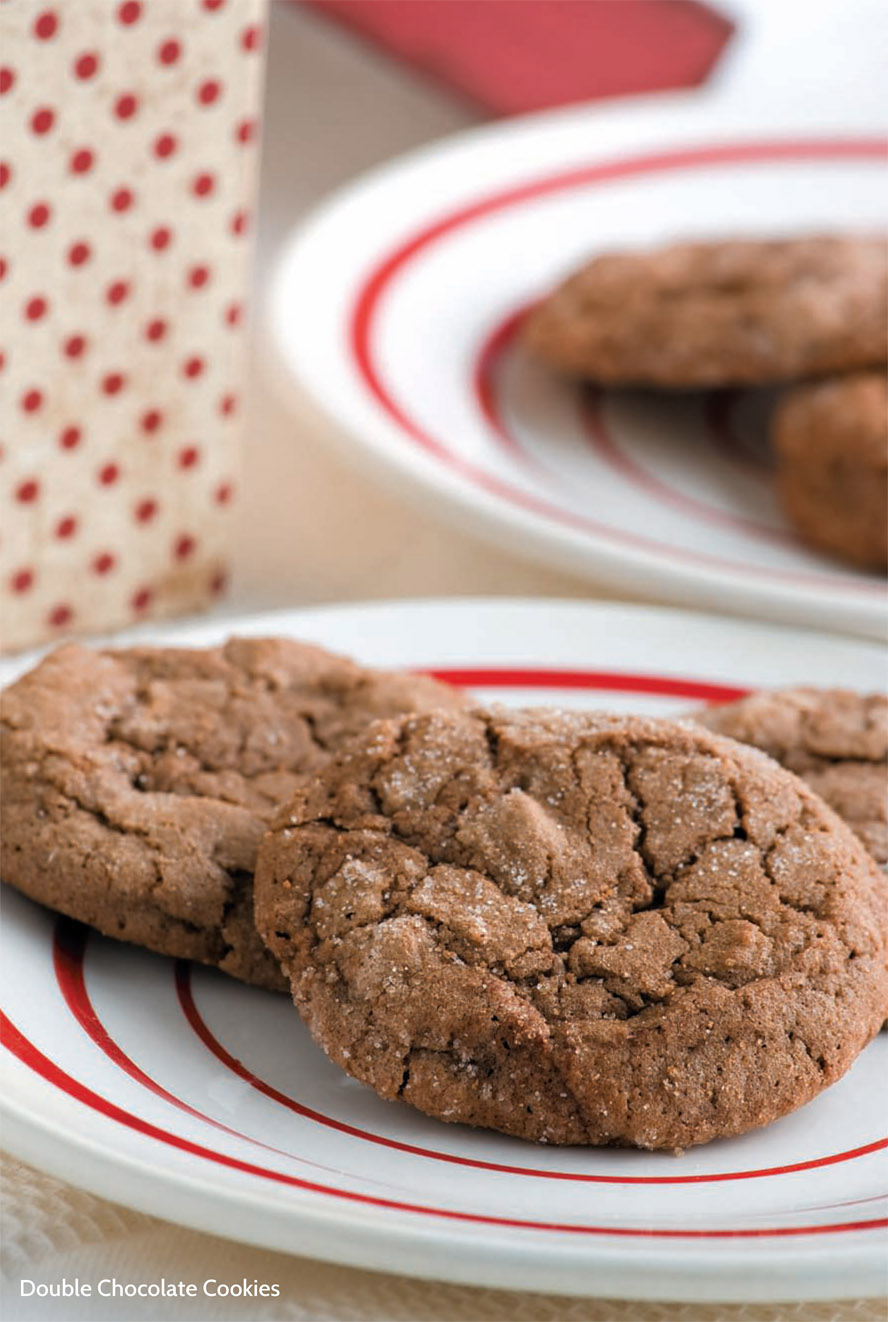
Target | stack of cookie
(570,927)
(754,313)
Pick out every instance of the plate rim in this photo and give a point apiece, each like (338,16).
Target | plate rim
(801,1271)
(230,618)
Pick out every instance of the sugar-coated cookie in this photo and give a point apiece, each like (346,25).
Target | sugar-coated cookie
(136,784)
(576,928)
(834,739)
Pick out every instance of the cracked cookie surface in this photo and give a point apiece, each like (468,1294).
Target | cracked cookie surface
(835,739)
(136,784)
(741,312)
(575,928)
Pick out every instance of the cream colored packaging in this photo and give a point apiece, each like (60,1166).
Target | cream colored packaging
(128,141)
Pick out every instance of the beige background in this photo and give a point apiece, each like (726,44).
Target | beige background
(312,528)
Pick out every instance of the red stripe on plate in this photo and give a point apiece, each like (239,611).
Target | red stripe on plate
(195,1019)
(69,948)
(611,681)
(18,1045)
(601,439)
(366,305)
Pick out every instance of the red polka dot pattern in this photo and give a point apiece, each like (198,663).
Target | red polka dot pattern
(70,438)
(128,169)
(86,65)
(39,215)
(121,199)
(183,547)
(126,106)
(151,420)
(32,400)
(46,25)
(60,615)
(82,161)
(21,580)
(75,345)
(42,120)
(169,51)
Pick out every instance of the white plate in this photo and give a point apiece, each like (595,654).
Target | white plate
(397,305)
(185,1094)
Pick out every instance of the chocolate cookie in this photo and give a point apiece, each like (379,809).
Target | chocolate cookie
(831,441)
(136,784)
(745,312)
(835,739)
(576,928)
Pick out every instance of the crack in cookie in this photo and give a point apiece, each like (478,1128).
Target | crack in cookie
(575,928)
(835,739)
(137,783)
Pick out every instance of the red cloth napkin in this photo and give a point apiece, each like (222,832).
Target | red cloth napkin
(513,56)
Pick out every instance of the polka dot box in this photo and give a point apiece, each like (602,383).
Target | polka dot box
(127,156)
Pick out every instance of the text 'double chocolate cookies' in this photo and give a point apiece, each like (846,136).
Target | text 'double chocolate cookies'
(737,312)
(576,928)
(831,445)
(136,784)
(835,739)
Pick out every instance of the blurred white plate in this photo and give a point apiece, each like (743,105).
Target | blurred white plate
(188,1095)
(396,307)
